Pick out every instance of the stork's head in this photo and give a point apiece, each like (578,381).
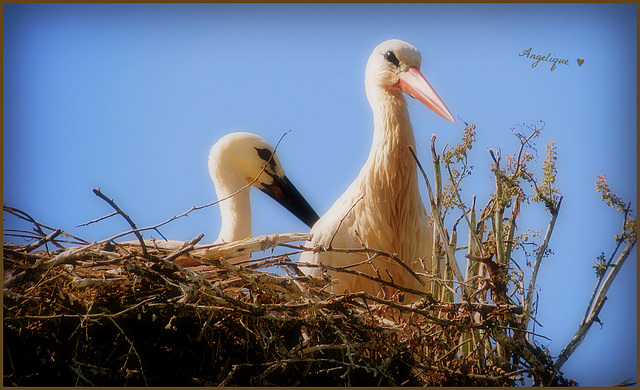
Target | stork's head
(394,66)
(238,159)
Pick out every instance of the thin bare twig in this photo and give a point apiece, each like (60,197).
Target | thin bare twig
(98,219)
(366,250)
(125,216)
(343,218)
(39,226)
(522,145)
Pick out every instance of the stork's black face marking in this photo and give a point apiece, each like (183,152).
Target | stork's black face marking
(389,56)
(266,154)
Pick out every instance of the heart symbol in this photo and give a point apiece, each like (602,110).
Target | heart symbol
(580,62)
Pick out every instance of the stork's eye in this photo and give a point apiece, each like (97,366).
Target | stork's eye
(266,154)
(389,56)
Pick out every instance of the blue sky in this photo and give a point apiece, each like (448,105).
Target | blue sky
(130,98)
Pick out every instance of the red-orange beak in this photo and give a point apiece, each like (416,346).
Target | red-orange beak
(414,83)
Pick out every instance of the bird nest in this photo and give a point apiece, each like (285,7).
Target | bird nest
(114,314)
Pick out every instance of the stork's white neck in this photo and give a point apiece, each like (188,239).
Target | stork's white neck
(388,182)
(392,134)
(235,211)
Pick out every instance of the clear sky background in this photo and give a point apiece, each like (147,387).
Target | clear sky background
(130,98)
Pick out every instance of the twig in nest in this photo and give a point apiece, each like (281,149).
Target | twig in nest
(207,253)
(98,219)
(133,348)
(43,240)
(186,248)
(367,251)
(364,275)
(342,220)
(125,216)
(39,226)
(410,309)
(497,274)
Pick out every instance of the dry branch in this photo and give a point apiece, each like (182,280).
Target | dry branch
(248,327)
(248,246)
(125,216)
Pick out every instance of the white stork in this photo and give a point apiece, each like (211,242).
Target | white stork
(382,208)
(235,161)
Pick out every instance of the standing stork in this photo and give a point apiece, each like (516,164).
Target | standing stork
(382,209)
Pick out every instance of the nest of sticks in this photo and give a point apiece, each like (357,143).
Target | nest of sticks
(110,314)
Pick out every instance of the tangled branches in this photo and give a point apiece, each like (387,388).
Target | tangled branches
(106,314)
(180,313)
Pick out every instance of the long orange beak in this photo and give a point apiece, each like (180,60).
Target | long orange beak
(414,83)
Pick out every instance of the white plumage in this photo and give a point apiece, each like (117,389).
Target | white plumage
(382,209)
(235,161)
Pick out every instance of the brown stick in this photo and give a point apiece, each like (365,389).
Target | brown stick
(125,216)
(42,241)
